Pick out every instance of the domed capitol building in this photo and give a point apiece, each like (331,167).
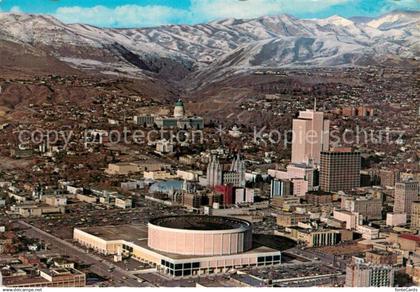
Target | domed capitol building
(179,119)
(179,110)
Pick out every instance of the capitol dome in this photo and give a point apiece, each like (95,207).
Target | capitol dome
(179,110)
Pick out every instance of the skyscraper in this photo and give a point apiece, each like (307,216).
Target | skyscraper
(339,170)
(310,137)
(214,172)
(406,193)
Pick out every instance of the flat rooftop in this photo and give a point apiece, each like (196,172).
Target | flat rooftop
(129,232)
(24,280)
(344,211)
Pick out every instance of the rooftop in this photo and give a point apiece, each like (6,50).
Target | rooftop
(410,237)
(381,252)
(200,222)
(118,232)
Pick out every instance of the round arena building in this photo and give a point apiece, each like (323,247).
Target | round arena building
(200,235)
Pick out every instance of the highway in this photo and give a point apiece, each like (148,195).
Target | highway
(119,276)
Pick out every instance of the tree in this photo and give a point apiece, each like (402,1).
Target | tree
(402,279)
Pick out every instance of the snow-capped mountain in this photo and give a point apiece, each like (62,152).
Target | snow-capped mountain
(333,41)
(396,20)
(231,43)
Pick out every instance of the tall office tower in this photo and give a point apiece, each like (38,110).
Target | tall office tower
(415,215)
(214,172)
(405,194)
(310,137)
(339,170)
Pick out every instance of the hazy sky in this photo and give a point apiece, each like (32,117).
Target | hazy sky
(139,13)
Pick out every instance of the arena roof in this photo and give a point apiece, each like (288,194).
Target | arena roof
(200,222)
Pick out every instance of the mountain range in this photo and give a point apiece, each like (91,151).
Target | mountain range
(176,51)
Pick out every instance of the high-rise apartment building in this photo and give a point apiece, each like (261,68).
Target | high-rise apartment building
(406,193)
(339,170)
(310,137)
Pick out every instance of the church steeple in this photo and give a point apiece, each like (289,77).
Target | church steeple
(238,166)
(214,172)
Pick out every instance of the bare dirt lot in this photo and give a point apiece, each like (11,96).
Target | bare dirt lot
(7,163)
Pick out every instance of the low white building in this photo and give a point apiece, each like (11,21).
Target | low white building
(164,147)
(189,175)
(368,232)
(158,175)
(123,203)
(74,190)
(350,218)
(396,219)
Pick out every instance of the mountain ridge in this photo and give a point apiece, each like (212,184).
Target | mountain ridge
(267,41)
